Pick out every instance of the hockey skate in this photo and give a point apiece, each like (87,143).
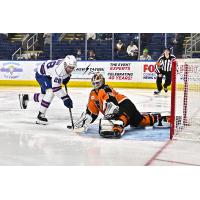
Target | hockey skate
(166,90)
(41,119)
(157,92)
(23,100)
(118,130)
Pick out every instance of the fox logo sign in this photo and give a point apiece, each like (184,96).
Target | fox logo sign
(149,68)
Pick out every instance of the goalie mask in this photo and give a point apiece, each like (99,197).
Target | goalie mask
(70,64)
(98,80)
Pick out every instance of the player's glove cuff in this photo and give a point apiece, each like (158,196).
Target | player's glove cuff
(67,101)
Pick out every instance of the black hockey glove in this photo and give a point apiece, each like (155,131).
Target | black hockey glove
(67,101)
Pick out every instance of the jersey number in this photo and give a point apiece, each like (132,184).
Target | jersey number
(51,64)
(57,80)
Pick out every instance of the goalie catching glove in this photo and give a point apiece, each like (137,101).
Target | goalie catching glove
(111,110)
(83,122)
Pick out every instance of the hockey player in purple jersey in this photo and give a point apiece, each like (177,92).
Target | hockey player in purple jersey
(50,75)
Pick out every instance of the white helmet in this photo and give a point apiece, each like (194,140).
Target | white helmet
(70,61)
(67,65)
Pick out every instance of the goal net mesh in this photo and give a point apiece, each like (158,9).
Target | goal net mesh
(187,99)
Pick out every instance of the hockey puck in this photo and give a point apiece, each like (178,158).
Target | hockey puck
(70,127)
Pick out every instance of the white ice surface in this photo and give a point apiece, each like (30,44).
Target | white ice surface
(22,142)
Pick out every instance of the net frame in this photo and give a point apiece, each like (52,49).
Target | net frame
(185,95)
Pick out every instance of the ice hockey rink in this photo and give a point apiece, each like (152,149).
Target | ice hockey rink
(22,142)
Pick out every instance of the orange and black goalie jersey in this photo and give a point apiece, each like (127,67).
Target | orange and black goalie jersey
(99,97)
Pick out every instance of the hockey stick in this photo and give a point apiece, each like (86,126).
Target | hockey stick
(70,113)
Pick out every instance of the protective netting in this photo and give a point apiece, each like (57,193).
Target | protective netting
(187,99)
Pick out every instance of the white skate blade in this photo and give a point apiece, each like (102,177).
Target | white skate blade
(41,122)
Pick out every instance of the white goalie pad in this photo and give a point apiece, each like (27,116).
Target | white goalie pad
(105,125)
(106,128)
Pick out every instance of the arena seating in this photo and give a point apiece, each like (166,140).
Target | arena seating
(7,48)
(102,48)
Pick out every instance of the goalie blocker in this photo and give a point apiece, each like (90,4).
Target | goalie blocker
(117,108)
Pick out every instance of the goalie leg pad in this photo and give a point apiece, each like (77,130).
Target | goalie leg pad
(149,119)
(124,118)
(111,128)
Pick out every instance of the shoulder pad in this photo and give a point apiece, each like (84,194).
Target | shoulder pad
(93,90)
(161,57)
(106,88)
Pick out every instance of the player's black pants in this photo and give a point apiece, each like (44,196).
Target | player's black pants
(167,80)
(131,112)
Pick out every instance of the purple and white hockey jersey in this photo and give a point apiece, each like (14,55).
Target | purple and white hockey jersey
(55,69)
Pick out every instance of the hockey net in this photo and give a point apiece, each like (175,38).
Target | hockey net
(185,99)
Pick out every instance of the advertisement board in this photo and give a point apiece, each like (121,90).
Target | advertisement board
(127,72)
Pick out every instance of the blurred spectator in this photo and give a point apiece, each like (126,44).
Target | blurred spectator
(145,55)
(120,50)
(79,55)
(92,55)
(175,39)
(91,36)
(177,43)
(47,38)
(132,51)
(120,46)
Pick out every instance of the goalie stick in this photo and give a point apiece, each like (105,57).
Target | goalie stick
(70,113)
